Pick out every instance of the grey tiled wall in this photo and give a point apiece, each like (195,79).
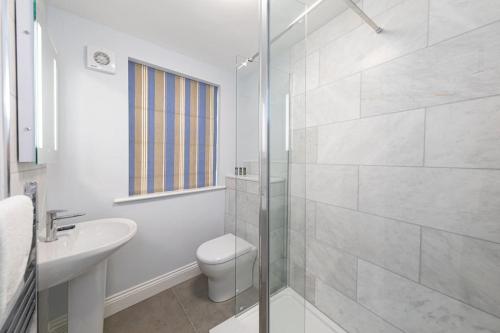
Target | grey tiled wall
(395,174)
(242,219)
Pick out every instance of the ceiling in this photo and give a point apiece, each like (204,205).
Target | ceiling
(213,31)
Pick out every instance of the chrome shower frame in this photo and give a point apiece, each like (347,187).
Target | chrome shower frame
(264,179)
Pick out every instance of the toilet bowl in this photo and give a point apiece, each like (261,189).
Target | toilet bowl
(228,262)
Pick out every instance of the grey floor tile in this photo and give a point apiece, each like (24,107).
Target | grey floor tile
(203,313)
(184,308)
(160,313)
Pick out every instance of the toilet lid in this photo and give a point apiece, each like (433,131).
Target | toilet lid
(222,249)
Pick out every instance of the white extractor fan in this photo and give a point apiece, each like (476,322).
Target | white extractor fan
(101,60)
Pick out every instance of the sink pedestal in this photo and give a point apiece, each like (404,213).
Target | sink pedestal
(86,295)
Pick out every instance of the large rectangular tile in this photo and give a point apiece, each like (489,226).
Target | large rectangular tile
(298,77)
(302,217)
(160,313)
(415,308)
(334,267)
(373,8)
(298,180)
(276,247)
(449,18)
(311,145)
(336,185)
(201,311)
(297,278)
(230,182)
(298,51)
(362,48)
(464,134)
(340,25)
(390,244)
(277,188)
(312,71)
(395,139)
(252,186)
(334,102)
(297,214)
(298,146)
(229,224)
(241,185)
(277,212)
(461,68)
(302,282)
(230,202)
(349,314)
(247,207)
(298,111)
(251,233)
(457,200)
(305,76)
(462,267)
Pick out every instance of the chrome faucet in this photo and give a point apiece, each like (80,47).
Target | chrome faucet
(50,224)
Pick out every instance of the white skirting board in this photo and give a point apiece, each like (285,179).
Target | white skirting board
(142,291)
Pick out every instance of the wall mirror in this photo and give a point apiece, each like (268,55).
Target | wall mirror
(37,85)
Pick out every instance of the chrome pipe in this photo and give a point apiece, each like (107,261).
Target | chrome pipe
(264,179)
(363,16)
(351,4)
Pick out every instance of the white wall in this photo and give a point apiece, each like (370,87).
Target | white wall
(93,160)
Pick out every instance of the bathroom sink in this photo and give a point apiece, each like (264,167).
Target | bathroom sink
(77,250)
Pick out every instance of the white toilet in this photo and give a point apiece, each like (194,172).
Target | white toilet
(217,259)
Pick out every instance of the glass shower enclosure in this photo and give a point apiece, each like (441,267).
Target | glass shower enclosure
(376,167)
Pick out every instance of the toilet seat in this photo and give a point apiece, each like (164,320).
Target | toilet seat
(222,249)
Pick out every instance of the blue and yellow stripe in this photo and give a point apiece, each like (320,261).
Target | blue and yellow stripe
(172,131)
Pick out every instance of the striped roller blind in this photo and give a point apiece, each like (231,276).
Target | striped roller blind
(172,131)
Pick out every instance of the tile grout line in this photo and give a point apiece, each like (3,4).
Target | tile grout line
(358,303)
(360,94)
(420,257)
(184,310)
(432,106)
(406,222)
(425,137)
(400,56)
(415,166)
(411,281)
(357,203)
(437,291)
(465,32)
(359,258)
(428,22)
(357,280)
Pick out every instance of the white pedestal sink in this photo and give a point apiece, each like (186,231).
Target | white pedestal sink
(80,257)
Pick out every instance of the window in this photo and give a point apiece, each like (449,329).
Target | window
(172,131)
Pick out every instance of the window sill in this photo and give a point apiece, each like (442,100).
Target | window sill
(152,196)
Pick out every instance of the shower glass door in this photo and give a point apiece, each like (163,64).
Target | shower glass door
(393,177)
(286,240)
(242,217)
